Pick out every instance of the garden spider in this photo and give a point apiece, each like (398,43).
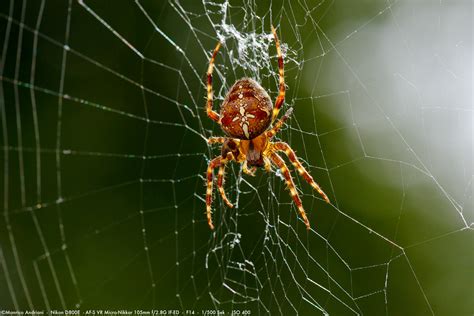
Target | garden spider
(245,116)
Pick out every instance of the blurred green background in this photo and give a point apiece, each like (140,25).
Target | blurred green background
(104,155)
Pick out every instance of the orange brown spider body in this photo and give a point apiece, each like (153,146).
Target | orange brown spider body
(245,117)
(246,111)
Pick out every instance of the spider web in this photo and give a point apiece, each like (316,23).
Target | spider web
(104,155)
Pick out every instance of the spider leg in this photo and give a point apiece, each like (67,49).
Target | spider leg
(216,140)
(247,170)
(281,96)
(278,161)
(213,164)
(281,146)
(272,132)
(210,112)
(220,179)
(267,163)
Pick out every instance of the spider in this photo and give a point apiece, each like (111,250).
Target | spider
(245,117)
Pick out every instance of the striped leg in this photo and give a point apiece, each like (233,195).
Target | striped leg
(289,182)
(213,164)
(210,112)
(272,132)
(267,164)
(220,179)
(247,170)
(281,95)
(216,140)
(281,146)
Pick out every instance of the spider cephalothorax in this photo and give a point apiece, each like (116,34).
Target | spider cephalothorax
(246,114)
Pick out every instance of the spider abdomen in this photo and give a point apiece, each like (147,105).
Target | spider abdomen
(246,110)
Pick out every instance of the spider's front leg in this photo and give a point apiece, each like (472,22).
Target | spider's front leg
(247,170)
(280,163)
(267,164)
(281,146)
